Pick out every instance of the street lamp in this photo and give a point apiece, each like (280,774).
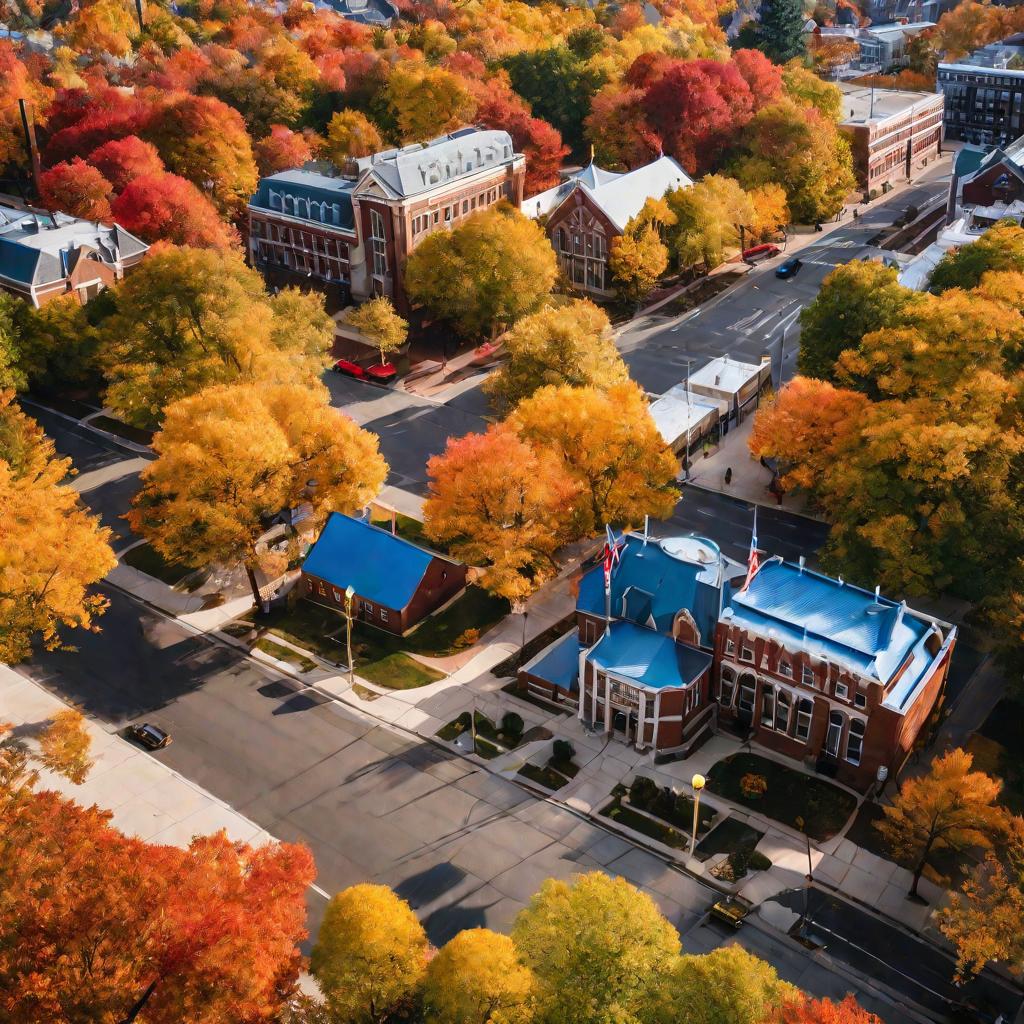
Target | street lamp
(698,782)
(349,594)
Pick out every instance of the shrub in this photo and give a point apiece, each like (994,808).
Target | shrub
(753,786)
(563,751)
(758,861)
(512,725)
(467,638)
(664,805)
(642,792)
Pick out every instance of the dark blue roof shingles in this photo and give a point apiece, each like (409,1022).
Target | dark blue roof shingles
(632,652)
(380,567)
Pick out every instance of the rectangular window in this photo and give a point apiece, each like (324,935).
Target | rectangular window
(730,647)
(804,710)
(383,615)
(841,691)
(746,653)
(747,696)
(855,741)
(465,206)
(767,706)
(860,699)
(378,244)
(782,705)
(807,676)
(785,669)
(447,214)
(725,691)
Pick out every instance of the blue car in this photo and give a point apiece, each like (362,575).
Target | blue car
(790,268)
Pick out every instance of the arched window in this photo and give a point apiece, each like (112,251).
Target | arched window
(782,707)
(834,734)
(748,687)
(727,687)
(275,200)
(855,741)
(768,705)
(804,711)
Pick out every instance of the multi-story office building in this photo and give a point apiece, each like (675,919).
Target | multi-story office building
(893,134)
(350,233)
(985,94)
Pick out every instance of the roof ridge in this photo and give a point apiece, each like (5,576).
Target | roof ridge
(394,536)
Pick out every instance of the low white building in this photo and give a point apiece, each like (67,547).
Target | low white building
(737,386)
(685,419)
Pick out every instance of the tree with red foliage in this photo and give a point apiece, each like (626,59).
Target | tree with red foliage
(77,188)
(281,149)
(822,1011)
(96,925)
(647,69)
(165,208)
(618,129)
(81,120)
(123,160)
(534,137)
(698,107)
(763,78)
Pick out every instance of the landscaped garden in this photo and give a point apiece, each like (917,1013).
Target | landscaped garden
(658,812)
(786,796)
(737,839)
(491,739)
(558,769)
(282,653)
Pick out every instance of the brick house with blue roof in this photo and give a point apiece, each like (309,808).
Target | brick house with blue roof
(397,584)
(806,665)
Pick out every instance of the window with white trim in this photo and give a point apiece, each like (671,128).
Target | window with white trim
(834,734)
(746,653)
(855,741)
(860,699)
(807,676)
(748,688)
(804,711)
(730,647)
(768,705)
(782,706)
(378,243)
(841,691)
(785,669)
(726,688)
(383,615)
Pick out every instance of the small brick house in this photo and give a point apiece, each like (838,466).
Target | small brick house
(397,584)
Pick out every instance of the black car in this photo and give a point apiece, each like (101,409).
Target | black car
(150,736)
(790,268)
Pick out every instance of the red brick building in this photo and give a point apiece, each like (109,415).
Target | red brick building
(808,666)
(349,232)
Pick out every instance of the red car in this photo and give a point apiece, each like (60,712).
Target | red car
(350,369)
(760,252)
(382,373)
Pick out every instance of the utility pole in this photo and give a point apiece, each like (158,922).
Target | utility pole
(29,128)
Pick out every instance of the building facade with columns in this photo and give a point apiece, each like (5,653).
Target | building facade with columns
(350,231)
(682,644)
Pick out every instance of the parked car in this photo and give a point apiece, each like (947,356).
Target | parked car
(382,373)
(760,252)
(790,268)
(150,736)
(350,369)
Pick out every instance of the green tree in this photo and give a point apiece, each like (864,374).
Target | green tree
(567,344)
(187,318)
(637,260)
(780,32)
(804,86)
(727,986)
(476,978)
(708,216)
(495,268)
(60,344)
(370,955)
(379,322)
(999,248)
(855,299)
(596,946)
(231,454)
(558,86)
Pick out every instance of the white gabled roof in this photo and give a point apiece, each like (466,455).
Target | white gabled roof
(620,196)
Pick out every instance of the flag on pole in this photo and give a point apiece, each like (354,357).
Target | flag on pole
(753,561)
(612,547)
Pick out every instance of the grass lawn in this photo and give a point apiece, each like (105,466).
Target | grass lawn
(119,429)
(486,732)
(644,825)
(283,653)
(731,836)
(397,671)
(407,528)
(439,635)
(147,560)
(543,775)
(308,625)
(791,794)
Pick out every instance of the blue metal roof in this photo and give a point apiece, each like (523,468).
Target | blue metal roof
(651,584)
(380,567)
(634,653)
(560,663)
(294,191)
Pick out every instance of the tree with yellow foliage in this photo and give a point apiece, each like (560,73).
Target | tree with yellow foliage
(234,453)
(637,260)
(476,978)
(597,946)
(499,503)
(951,807)
(428,101)
(370,955)
(61,745)
(53,550)
(486,274)
(351,133)
(378,321)
(566,344)
(608,442)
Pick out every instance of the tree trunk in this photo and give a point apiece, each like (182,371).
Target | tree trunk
(140,1004)
(919,870)
(261,606)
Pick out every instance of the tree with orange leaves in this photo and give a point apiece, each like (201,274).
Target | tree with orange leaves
(76,188)
(822,1011)
(500,503)
(281,150)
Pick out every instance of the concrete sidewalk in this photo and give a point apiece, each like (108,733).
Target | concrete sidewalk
(148,799)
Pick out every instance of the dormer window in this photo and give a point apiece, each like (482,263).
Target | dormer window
(275,200)
(785,669)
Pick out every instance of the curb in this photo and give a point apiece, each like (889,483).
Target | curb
(754,501)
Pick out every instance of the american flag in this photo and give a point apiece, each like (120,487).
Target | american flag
(753,561)
(612,546)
